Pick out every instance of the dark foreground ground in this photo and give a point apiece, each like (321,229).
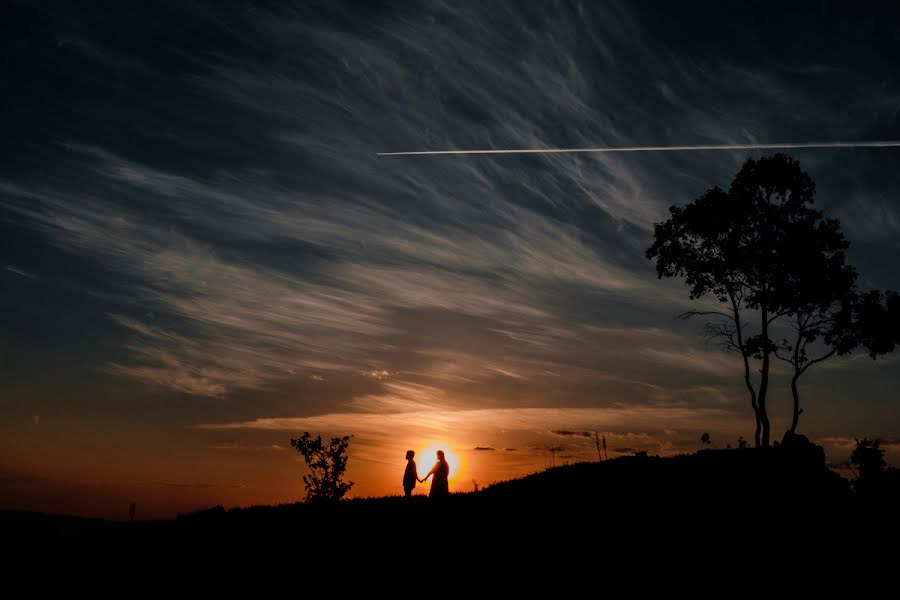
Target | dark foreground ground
(741,502)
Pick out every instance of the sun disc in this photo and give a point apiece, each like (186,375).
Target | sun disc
(426,458)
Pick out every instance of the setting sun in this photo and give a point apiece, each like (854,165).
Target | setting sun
(426,457)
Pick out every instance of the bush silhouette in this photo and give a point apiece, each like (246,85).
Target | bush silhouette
(327,464)
(868,458)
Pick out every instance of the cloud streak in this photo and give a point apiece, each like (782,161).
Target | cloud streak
(465,423)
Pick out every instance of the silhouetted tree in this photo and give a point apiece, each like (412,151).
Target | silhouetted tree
(760,248)
(729,244)
(327,464)
(704,439)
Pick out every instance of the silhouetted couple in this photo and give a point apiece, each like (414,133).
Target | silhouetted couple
(441,471)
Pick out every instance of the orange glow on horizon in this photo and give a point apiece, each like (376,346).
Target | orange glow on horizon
(427,457)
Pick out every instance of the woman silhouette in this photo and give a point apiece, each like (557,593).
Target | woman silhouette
(441,471)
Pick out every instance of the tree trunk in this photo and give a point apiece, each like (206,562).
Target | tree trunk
(796,394)
(756,433)
(763,420)
(747,381)
(753,401)
(764,379)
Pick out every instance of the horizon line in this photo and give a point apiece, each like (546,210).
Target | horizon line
(687,148)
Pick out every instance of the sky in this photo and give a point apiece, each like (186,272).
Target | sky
(203,256)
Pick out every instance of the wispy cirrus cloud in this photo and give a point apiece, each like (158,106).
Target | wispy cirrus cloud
(277,243)
(20,272)
(481,422)
(249,323)
(872,216)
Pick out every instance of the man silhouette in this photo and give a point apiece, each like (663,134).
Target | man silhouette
(410,476)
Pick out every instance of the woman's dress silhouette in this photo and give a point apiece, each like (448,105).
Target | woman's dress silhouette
(440,485)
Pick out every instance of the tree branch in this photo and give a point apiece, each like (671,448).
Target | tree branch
(786,359)
(776,315)
(818,360)
(704,313)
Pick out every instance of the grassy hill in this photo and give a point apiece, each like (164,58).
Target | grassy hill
(627,502)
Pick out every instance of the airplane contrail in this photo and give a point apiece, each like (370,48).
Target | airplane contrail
(787,145)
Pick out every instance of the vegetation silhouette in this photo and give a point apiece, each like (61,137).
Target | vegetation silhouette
(763,252)
(874,480)
(327,464)
(868,458)
(877,325)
